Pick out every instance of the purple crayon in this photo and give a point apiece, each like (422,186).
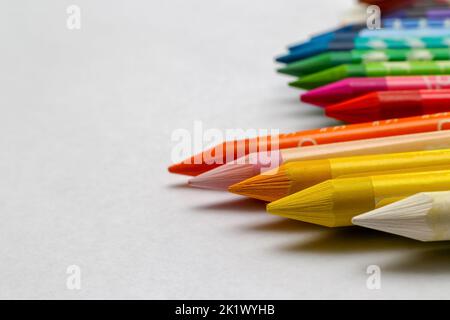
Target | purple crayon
(354,87)
(438,13)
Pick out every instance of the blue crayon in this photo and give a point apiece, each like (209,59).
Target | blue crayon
(404,33)
(415,23)
(343,29)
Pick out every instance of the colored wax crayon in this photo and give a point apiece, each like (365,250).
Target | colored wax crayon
(364,43)
(354,87)
(333,203)
(254,164)
(393,33)
(415,23)
(295,176)
(335,58)
(234,149)
(425,12)
(372,69)
(388,104)
(396,23)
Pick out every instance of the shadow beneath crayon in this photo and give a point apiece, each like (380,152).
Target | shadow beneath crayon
(237,205)
(285,225)
(311,111)
(181,185)
(186,185)
(288,102)
(356,240)
(434,259)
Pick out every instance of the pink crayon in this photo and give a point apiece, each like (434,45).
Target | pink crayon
(353,87)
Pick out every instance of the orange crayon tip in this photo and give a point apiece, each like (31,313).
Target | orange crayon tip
(189,169)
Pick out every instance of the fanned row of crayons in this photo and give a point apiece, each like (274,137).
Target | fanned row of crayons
(389,168)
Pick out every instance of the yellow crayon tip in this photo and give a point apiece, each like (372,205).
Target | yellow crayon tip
(313,205)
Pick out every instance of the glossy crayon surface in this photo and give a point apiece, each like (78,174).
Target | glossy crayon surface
(387,104)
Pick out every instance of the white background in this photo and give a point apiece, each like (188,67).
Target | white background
(85,138)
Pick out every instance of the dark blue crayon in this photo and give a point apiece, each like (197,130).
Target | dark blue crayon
(329,35)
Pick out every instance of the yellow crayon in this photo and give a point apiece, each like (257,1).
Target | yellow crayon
(335,202)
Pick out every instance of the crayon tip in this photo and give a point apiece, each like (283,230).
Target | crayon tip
(330,75)
(212,179)
(224,176)
(344,89)
(309,49)
(361,109)
(287,71)
(328,94)
(176,168)
(313,205)
(303,84)
(270,186)
(307,66)
(189,169)
(407,217)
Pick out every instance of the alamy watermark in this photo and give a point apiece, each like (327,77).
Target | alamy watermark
(373,20)
(373,282)
(214,146)
(73,21)
(73,280)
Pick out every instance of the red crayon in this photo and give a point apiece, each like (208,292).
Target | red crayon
(390,104)
(354,87)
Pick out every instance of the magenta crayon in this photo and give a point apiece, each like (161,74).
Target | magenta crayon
(354,87)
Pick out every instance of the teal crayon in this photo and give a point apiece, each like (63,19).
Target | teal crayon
(372,69)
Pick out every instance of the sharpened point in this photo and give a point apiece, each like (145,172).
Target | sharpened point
(313,205)
(190,169)
(361,109)
(224,176)
(269,186)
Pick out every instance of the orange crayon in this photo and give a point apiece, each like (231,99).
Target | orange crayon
(232,150)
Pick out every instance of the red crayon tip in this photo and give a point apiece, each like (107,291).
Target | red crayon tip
(353,110)
(390,104)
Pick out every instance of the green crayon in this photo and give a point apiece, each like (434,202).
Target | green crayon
(372,69)
(336,58)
